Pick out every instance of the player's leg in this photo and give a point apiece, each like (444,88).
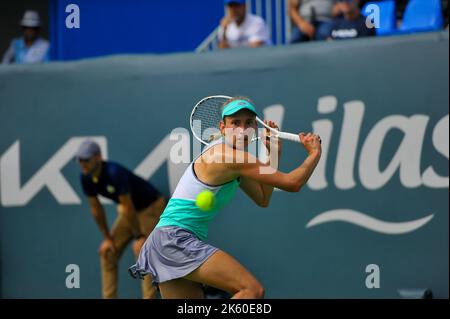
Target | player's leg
(121,235)
(181,289)
(224,272)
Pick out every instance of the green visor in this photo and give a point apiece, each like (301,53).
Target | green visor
(236,106)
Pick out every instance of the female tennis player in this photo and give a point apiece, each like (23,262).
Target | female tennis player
(175,253)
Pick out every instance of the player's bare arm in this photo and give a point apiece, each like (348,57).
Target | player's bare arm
(292,181)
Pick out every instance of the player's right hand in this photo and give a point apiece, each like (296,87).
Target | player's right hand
(106,246)
(311,142)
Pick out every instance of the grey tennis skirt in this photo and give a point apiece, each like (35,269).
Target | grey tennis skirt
(170,252)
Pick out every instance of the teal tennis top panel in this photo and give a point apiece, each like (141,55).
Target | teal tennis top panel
(183,212)
(236,106)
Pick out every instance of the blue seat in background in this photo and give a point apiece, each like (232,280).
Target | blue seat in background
(422,15)
(388,23)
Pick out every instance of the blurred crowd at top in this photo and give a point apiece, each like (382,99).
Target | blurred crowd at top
(310,20)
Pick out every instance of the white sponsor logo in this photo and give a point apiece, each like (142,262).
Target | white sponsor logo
(73,18)
(372,12)
(73,279)
(373,277)
(344,33)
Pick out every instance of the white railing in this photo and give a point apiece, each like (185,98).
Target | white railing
(274,12)
(210,43)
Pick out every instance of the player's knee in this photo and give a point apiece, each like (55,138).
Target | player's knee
(254,289)
(258,291)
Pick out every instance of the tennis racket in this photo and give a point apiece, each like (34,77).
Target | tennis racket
(207,114)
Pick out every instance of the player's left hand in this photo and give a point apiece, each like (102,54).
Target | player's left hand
(137,245)
(276,142)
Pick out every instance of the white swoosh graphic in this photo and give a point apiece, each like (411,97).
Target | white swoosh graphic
(360,219)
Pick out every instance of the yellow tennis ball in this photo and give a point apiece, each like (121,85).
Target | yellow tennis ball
(205,200)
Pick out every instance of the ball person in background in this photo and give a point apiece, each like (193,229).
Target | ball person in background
(139,207)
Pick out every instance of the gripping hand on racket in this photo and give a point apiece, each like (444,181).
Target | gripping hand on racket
(272,142)
(311,142)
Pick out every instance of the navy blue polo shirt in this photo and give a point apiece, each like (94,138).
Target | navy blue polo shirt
(345,29)
(115,180)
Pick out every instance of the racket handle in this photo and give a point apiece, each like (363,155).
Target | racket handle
(289,136)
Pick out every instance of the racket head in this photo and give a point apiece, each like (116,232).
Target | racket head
(206,116)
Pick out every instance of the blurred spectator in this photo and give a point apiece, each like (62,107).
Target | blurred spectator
(445,11)
(30,48)
(350,23)
(241,29)
(311,19)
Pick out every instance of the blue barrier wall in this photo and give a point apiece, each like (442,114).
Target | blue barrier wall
(378,197)
(132,26)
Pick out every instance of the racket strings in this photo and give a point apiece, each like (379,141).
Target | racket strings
(206,119)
